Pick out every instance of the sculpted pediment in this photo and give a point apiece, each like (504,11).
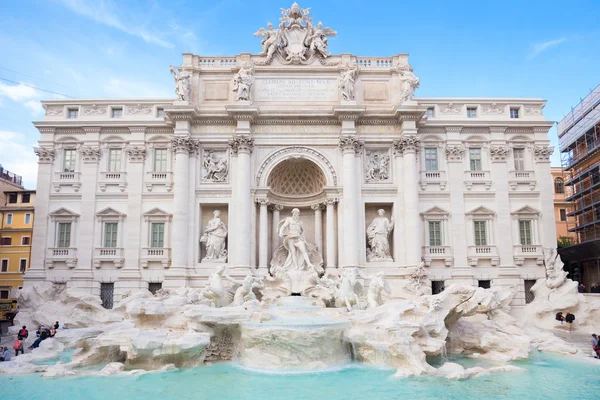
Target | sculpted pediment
(63,212)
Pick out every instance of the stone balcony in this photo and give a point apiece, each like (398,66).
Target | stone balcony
(61,179)
(433,177)
(477,253)
(160,255)
(118,179)
(443,253)
(478,178)
(67,255)
(113,255)
(515,178)
(159,179)
(530,251)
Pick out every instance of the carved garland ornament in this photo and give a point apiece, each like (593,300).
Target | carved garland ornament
(139,110)
(455,153)
(94,110)
(45,154)
(241,144)
(50,110)
(296,149)
(136,153)
(90,154)
(499,153)
(543,153)
(492,109)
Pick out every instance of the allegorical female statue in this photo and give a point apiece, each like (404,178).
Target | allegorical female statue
(214,237)
(296,263)
(243,80)
(377,233)
(346,82)
(409,82)
(182,84)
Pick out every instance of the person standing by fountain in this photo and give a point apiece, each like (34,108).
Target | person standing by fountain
(569,318)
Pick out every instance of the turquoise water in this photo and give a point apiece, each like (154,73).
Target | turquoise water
(547,377)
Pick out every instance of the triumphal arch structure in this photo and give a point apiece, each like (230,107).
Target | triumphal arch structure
(292,157)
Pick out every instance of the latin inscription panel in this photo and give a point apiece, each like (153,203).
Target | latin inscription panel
(284,89)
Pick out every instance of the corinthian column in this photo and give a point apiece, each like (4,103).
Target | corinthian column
(318,226)
(263,237)
(399,234)
(182,145)
(242,146)
(330,232)
(410,147)
(275,231)
(350,145)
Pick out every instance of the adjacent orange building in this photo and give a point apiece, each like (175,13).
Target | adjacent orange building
(563,223)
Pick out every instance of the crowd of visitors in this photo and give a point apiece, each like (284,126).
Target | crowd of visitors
(42,334)
(595,345)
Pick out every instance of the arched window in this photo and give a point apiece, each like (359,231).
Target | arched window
(559,186)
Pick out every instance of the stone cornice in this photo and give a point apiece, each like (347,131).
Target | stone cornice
(348,112)
(242,112)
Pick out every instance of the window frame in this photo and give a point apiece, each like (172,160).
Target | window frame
(113,241)
(69,164)
(10,197)
(9,218)
(4,261)
(28,238)
(164,163)
(471,112)
(23,270)
(517,112)
(23,198)
(118,161)
(116,112)
(477,237)
(562,214)
(162,239)
(7,239)
(430,112)
(559,181)
(59,239)
(27,219)
(159,111)
(472,160)
(519,162)
(439,240)
(429,162)
(72,113)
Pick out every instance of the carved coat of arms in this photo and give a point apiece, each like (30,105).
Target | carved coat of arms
(296,40)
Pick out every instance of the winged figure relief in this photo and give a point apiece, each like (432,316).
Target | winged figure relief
(317,39)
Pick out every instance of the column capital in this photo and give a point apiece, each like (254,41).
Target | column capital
(183,144)
(317,207)
(262,202)
(542,153)
(350,144)
(90,154)
(407,144)
(276,207)
(137,154)
(241,144)
(499,153)
(454,153)
(331,201)
(45,154)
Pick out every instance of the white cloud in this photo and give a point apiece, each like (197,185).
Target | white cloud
(104,12)
(18,157)
(35,106)
(539,48)
(18,92)
(28,96)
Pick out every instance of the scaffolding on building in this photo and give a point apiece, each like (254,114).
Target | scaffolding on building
(579,142)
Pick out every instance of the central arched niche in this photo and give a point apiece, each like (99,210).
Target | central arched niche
(296,178)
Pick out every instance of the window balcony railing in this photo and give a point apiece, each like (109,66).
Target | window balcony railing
(437,177)
(489,252)
(109,254)
(443,253)
(160,255)
(113,179)
(477,178)
(528,251)
(67,178)
(524,177)
(67,255)
(159,178)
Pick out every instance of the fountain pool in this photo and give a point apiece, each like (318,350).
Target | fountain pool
(547,377)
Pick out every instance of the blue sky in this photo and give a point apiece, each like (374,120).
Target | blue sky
(112,48)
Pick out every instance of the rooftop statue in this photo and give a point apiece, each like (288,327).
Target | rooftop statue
(182,84)
(296,40)
(346,82)
(242,82)
(409,82)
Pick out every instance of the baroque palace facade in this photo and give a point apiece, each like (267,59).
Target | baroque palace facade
(157,193)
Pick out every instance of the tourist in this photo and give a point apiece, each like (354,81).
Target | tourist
(18,346)
(23,333)
(581,288)
(5,354)
(560,317)
(56,325)
(569,318)
(43,334)
(595,347)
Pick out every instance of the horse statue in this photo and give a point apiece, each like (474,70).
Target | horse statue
(349,289)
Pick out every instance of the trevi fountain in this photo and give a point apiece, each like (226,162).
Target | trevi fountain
(300,328)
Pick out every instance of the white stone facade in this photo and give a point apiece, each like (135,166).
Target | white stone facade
(465,181)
